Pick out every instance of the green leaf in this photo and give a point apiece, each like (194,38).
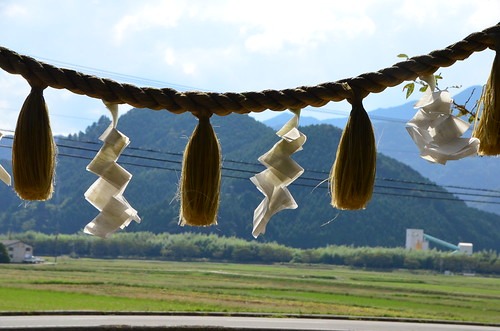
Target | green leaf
(438,76)
(409,89)
(402,55)
(423,88)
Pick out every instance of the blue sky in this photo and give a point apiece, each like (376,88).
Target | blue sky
(231,46)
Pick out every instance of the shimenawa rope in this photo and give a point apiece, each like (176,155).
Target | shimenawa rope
(225,103)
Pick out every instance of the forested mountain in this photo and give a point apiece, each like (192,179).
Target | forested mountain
(403,198)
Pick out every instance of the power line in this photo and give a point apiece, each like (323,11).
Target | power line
(436,185)
(260,166)
(321,172)
(302,177)
(301,184)
(439,192)
(129,78)
(320,185)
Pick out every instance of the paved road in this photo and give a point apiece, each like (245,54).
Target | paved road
(51,321)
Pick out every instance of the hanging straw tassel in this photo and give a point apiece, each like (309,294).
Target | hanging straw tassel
(201,174)
(487,128)
(353,174)
(33,149)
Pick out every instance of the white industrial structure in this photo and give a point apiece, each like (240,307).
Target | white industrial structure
(465,248)
(416,239)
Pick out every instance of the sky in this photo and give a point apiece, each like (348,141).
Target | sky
(232,46)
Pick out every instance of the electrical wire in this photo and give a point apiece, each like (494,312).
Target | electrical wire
(255,164)
(322,182)
(321,172)
(320,185)
(125,77)
(93,150)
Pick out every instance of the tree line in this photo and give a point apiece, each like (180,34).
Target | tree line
(210,247)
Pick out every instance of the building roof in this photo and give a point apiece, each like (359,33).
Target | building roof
(10,242)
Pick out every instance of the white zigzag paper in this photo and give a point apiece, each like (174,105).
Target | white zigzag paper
(436,132)
(4,175)
(281,171)
(106,194)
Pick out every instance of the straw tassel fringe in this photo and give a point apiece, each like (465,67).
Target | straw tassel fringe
(34,149)
(487,128)
(199,188)
(353,174)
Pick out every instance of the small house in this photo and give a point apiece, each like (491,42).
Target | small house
(17,250)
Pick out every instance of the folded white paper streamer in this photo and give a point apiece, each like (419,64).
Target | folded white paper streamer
(4,175)
(436,132)
(106,194)
(281,171)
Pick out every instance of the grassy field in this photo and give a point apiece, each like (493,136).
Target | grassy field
(126,285)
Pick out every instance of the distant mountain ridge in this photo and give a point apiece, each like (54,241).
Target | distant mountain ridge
(397,114)
(396,205)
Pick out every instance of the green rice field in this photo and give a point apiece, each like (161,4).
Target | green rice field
(159,286)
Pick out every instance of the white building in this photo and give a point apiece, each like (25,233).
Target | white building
(415,240)
(465,248)
(17,250)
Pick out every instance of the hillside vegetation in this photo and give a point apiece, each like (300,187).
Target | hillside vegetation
(203,247)
(403,198)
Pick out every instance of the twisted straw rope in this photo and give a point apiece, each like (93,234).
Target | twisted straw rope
(245,102)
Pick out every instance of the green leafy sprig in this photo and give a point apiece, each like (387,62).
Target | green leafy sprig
(460,110)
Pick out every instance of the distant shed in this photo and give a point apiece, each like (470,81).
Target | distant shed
(17,250)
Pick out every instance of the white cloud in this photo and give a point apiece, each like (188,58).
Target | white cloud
(270,26)
(265,26)
(202,64)
(125,23)
(189,68)
(169,56)
(420,13)
(144,16)
(14,10)
(488,12)
(463,15)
